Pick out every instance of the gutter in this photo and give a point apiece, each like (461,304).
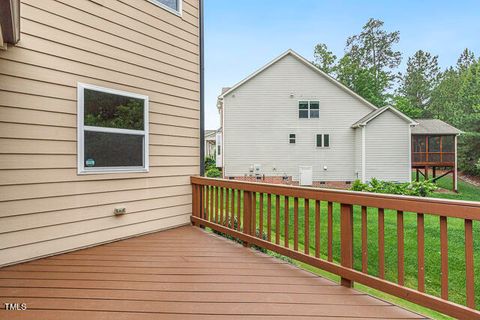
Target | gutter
(202,91)
(9,21)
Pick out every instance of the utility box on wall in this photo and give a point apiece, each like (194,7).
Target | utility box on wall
(306,176)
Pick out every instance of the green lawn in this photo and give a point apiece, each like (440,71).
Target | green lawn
(432,245)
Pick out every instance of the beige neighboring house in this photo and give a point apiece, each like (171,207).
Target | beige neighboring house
(210,142)
(290,122)
(99,121)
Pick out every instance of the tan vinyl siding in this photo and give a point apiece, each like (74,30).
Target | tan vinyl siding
(139,47)
(387,148)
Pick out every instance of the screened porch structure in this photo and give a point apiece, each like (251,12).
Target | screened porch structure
(434,146)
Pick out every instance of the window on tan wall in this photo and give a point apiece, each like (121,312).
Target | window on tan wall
(112,130)
(171,5)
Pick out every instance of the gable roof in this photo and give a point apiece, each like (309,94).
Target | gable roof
(434,126)
(305,62)
(372,115)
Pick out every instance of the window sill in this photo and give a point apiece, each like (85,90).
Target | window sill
(110,170)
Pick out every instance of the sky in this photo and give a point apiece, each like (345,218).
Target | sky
(242,36)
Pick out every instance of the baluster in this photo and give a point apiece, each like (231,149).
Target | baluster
(470,284)
(239,204)
(287,210)
(269,217)
(381,243)
(317,228)
(306,207)
(207,203)
(216,203)
(277,219)
(421,252)
(444,256)
(295,224)
(330,231)
(202,202)
(400,248)
(232,216)
(211,213)
(364,240)
(261,216)
(221,206)
(227,207)
(253,216)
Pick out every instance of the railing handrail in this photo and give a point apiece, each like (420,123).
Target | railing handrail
(441,207)
(209,195)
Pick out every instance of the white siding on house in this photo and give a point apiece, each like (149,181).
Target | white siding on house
(261,113)
(387,148)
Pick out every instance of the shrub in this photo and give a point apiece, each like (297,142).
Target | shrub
(421,188)
(210,163)
(213,173)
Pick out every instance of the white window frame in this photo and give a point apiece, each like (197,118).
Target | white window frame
(81,128)
(308,102)
(164,6)
(323,140)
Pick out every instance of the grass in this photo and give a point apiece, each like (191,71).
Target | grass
(432,245)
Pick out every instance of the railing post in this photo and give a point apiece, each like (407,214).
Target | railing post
(194,202)
(247,214)
(346,237)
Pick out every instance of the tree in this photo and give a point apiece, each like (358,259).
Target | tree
(466,59)
(421,78)
(361,80)
(368,63)
(373,49)
(404,105)
(324,59)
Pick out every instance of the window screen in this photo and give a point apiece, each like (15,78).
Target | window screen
(113,131)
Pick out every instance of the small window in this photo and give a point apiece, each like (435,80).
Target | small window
(308,109)
(112,130)
(171,5)
(319,140)
(323,140)
(292,138)
(219,150)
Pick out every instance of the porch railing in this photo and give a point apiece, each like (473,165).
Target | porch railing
(267,215)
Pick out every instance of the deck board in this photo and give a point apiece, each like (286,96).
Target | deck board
(183,273)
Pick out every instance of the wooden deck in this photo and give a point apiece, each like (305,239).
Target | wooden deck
(183,273)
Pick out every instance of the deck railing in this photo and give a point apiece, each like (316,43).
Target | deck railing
(439,158)
(261,214)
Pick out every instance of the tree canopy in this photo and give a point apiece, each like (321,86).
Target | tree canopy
(369,66)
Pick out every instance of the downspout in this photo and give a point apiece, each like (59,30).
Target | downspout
(202,93)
